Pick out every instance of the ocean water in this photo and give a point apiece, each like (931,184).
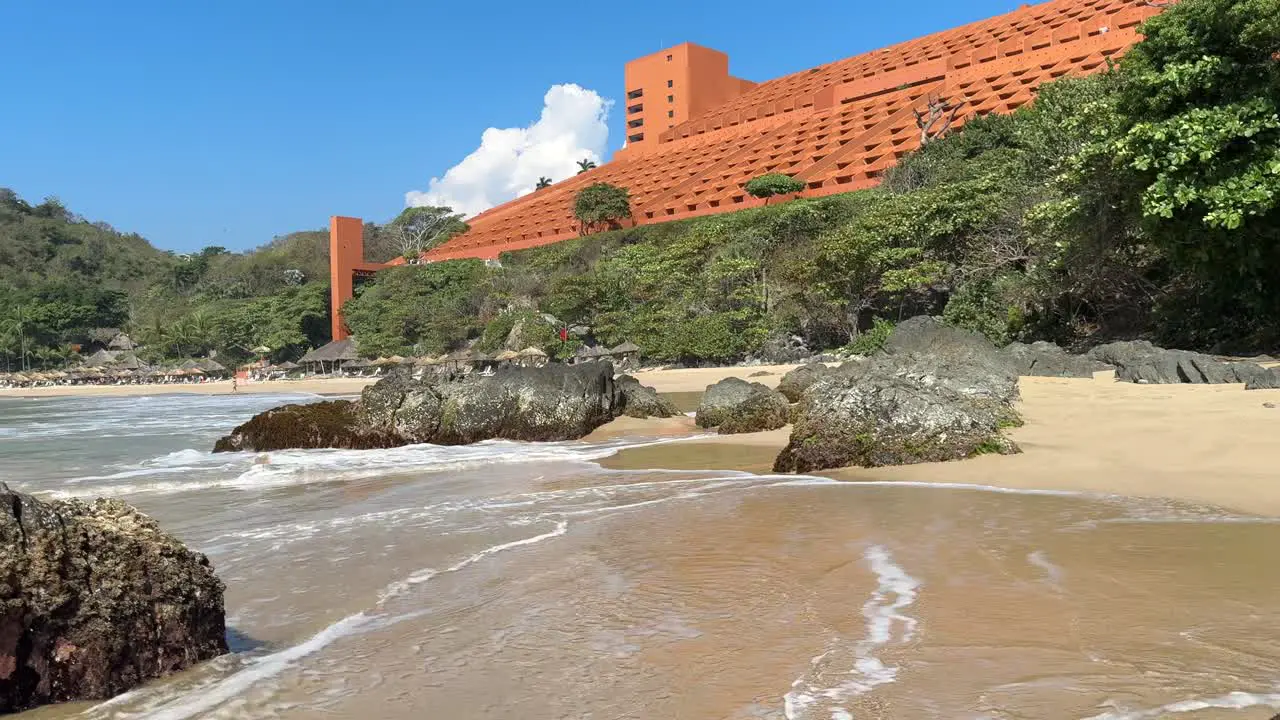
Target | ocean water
(509,580)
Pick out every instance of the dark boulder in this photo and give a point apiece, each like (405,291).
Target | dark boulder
(642,401)
(937,393)
(1263,379)
(781,349)
(97,599)
(556,402)
(332,424)
(935,353)
(734,406)
(1139,361)
(794,383)
(1044,359)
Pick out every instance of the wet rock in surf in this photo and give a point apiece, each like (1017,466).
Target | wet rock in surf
(937,393)
(794,383)
(333,424)
(96,600)
(556,402)
(642,401)
(734,406)
(1139,361)
(1044,359)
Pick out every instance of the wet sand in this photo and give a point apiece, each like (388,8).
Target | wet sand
(1207,444)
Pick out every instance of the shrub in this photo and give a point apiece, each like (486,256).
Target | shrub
(766,186)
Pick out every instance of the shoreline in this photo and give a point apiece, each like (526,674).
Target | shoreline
(1211,445)
(325,386)
(665,381)
(1203,444)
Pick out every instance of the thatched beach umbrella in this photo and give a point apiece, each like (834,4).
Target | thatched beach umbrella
(357,364)
(531,356)
(506,356)
(287,365)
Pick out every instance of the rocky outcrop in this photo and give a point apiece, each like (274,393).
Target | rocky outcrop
(1139,361)
(935,393)
(556,402)
(642,401)
(782,348)
(333,424)
(735,406)
(97,599)
(1044,359)
(794,383)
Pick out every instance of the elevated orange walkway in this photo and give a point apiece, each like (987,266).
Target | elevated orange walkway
(837,127)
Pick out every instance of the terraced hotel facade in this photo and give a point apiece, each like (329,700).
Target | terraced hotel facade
(696,134)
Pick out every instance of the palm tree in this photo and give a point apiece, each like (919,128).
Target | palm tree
(543,182)
(586,164)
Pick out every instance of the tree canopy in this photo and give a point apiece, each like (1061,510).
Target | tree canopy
(601,205)
(767,186)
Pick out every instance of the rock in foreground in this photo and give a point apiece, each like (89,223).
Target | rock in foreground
(97,599)
(556,402)
(937,393)
(735,406)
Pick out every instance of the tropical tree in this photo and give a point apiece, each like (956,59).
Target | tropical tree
(601,204)
(766,186)
(586,164)
(418,229)
(543,182)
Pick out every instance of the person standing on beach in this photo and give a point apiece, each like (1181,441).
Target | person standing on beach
(235,384)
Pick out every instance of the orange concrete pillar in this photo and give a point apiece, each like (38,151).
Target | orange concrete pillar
(346,251)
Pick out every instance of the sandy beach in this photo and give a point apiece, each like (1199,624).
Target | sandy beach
(666,381)
(313,386)
(1204,444)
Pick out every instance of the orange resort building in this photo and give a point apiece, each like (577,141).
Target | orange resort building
(696,134)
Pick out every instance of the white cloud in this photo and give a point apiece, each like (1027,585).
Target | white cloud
(509,161)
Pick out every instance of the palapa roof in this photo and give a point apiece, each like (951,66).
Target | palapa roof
(626,348)
(506,355)
(531,352)
(121,342)
(357,363)
(383,361)
(288,365)
(338,351)
(100,358)
(128,360)
(103,335)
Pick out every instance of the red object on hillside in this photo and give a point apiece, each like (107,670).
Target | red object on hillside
(696,135)
(564,334)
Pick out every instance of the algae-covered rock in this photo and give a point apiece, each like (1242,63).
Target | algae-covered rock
(556,402)
(735,406)
(642,401)
(937,394)
(794,383)
(95,599)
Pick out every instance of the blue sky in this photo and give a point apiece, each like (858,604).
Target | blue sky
(229,122)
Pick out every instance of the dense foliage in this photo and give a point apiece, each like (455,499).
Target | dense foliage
(62,277)
(1141,201)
